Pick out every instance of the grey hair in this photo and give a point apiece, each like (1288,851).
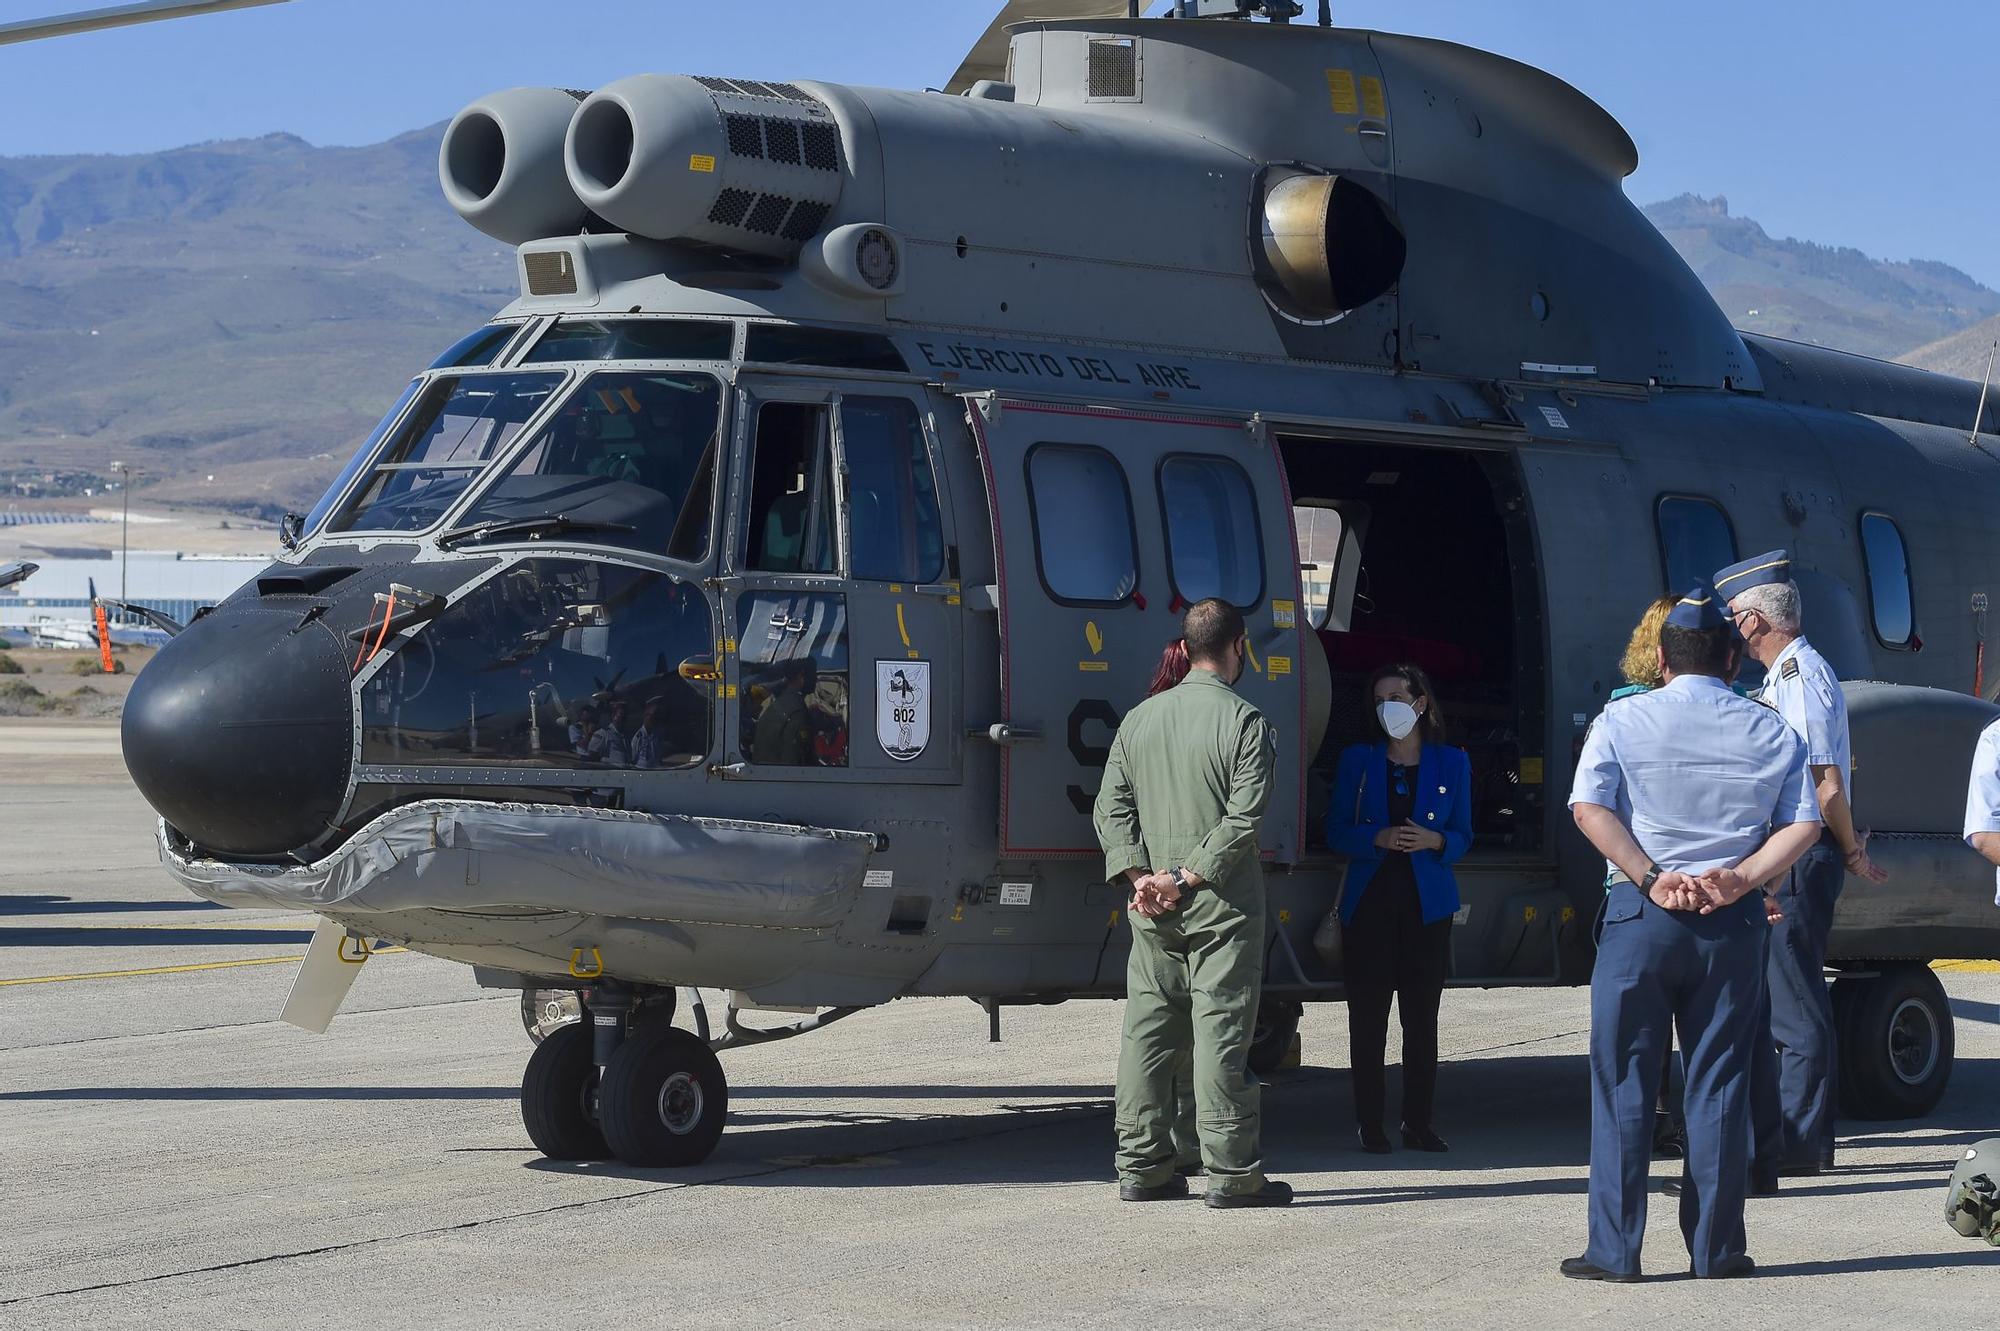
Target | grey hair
(1777,602)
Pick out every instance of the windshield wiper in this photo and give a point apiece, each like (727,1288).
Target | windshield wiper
(547,525)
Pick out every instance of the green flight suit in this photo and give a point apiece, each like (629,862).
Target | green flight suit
(1186,783)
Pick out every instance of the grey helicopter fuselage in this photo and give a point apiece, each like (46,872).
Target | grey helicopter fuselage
(875,440)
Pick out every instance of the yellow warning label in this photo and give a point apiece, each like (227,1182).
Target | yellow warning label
(1340,86)
(1373,103)
(1279,665)
(1531,771)
(1284,613)
(702,162)
(1093,665)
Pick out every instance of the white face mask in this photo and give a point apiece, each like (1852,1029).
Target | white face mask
(1397,718)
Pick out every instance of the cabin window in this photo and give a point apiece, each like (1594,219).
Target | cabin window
(477,348)
(893,532)
(1695,540)
(635,339)
(790,527)
(793,654)
(1082,512)
(1214,542)
(458,424)
(1329,565)
(1888,580)
(787,344)
(628,460)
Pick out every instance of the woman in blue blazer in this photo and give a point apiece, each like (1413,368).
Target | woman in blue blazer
(1402,813)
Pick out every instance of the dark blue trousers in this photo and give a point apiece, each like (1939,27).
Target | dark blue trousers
(1657,969)
(1802,1007)
(1767,1117)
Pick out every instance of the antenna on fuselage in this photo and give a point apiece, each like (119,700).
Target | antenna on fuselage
(1980,414)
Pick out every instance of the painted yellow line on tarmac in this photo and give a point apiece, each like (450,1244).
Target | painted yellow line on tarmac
(174,970)
(1973,967)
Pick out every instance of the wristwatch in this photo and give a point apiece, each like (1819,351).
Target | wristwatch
(1181,879)
(1652,876)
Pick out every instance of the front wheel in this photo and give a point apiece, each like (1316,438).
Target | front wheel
(663,1099)
(556,1093)
(1896,1042)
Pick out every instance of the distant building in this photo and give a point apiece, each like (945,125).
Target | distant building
(175,585)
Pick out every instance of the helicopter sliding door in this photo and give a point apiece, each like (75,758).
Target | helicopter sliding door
(1107,525)
(844,628)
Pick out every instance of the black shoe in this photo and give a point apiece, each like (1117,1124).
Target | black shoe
(1734,1269)
(1672,1187)
(1669,1141)
(1374,1141)
(1175,1186)
(1272,1193)
(1799,1169)
(1763,1187)
(1582,1268)
(1423,1139)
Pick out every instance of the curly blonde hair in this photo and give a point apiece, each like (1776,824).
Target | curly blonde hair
(1641,662)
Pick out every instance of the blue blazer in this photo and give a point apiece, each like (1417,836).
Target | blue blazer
(1360,809)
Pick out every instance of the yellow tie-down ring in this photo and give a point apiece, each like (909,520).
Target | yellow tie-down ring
(576,970)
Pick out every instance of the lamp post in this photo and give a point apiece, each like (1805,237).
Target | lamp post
(126,475)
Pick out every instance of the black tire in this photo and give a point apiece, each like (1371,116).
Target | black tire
(556,1094)
(663,1100)
(1271,1038)
(1896,1042)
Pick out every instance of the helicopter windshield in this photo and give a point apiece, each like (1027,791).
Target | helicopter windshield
(628,460)
(458,424)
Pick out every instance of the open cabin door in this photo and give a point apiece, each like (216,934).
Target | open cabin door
(1107,524)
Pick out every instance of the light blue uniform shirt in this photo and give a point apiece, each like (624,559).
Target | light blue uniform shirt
(1806,692)
(1699,775)
(1982,796)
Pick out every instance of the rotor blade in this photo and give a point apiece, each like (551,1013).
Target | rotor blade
(323,980)
(988,57)
(116,16)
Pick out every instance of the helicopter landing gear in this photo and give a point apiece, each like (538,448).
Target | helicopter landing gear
(663,1099)
(557,1093)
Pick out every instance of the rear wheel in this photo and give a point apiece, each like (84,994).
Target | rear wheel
(663,1099)
(556,1096)
(1896,1042)
(1271,1039)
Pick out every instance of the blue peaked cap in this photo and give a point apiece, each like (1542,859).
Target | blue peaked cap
(1756,571)
(1701,608)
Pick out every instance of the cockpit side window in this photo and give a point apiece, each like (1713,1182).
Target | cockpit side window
(358,463)
(477,348)
(457,425)
(627,460)
(790,527)
(894,534)
(1888,562)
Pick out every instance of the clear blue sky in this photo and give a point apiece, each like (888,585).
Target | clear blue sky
(1840,121)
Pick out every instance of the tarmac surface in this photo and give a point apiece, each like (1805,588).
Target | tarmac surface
(177,1158)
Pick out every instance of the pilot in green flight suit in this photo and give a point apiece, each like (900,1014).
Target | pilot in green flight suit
(1178,813)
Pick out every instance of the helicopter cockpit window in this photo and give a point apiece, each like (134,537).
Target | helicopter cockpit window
(787,344)
(790,527)
(477,348)
(1213,546)
(793,654)
(458,424)
(892,509)
(552,663)
(634,339)
(628,459)
(358,463)
(1084,540)
(1695,540)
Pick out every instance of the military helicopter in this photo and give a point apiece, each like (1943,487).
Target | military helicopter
(850,453)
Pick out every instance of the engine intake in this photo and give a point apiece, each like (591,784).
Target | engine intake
(1328,244)
(754,168)
(501,165)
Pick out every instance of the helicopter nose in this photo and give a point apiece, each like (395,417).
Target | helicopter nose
(240,732)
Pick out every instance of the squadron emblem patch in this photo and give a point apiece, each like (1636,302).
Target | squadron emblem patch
(903,708)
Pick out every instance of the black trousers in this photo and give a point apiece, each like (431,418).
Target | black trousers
(1390,952)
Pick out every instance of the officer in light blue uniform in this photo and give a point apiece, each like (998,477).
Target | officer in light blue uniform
(1695,796)
(1803,689)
